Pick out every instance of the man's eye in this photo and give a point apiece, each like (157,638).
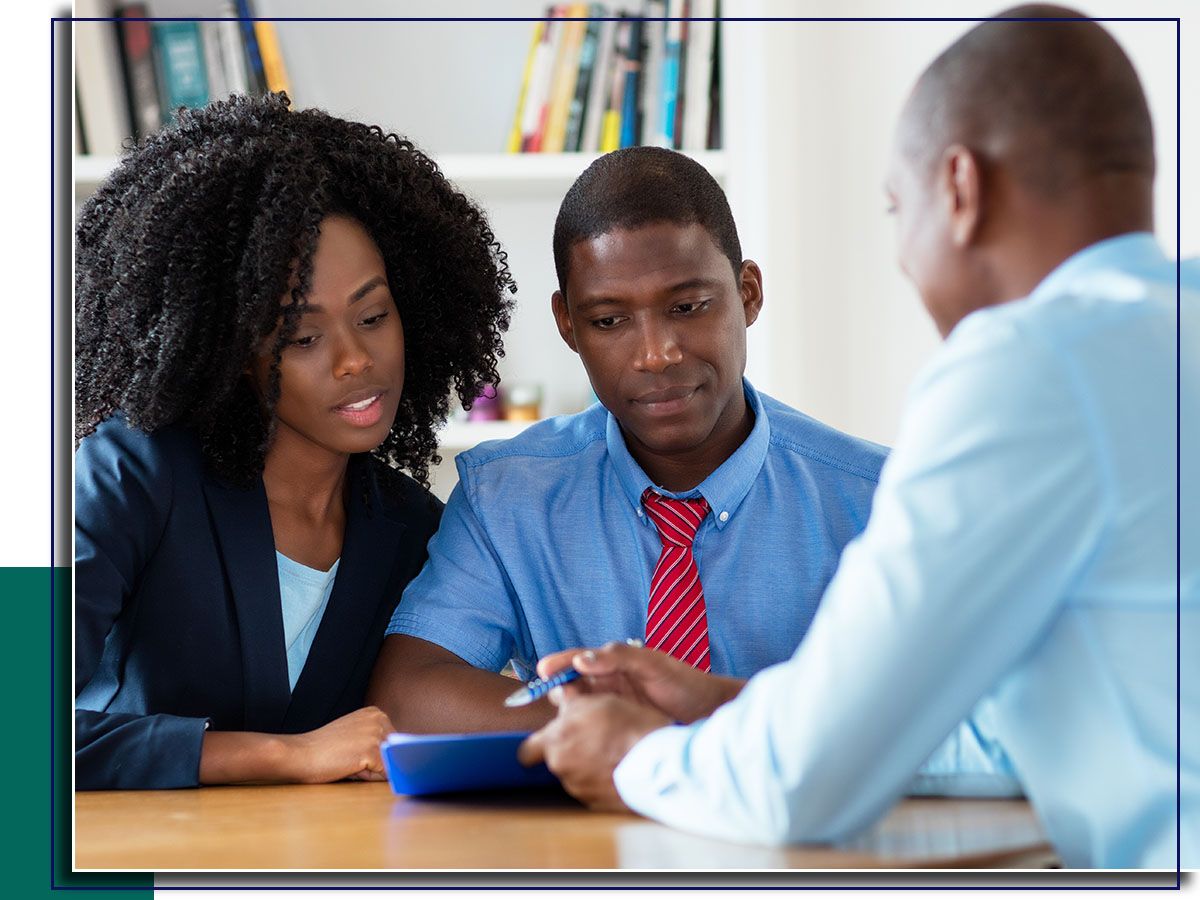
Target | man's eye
(605,323)
(693,306)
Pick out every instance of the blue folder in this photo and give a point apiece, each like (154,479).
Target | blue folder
(441,763)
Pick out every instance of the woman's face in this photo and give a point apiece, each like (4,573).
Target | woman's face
(343,370)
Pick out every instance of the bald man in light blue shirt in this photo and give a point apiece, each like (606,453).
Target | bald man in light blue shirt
(1021,556)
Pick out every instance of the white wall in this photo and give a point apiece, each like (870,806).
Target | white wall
(849,333)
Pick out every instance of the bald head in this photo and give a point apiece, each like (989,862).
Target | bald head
(1056,103)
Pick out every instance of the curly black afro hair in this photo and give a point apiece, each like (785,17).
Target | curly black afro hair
(182,257)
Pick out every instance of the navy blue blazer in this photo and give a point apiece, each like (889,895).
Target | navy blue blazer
(178,622)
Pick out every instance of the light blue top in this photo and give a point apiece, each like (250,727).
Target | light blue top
(544,545)
(1022,553)
(304,593)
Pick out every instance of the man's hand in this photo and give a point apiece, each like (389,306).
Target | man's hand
(649,677)
(586,741)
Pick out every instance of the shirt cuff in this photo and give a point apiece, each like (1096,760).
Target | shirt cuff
(651,768)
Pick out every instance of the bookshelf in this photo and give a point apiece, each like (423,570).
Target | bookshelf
(459,112)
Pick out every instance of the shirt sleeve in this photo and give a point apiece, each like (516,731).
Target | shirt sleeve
(987,512)
(122,500)
(462,600)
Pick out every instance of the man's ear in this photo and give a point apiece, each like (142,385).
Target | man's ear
(962,182)
(751,290)
(562,318)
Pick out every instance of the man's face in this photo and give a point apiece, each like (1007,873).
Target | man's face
(923,237)
(659,318)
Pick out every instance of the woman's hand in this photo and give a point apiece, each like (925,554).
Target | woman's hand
(648,677)
(345,748)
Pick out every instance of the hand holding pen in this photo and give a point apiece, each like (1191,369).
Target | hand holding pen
(540,687)
(649,677)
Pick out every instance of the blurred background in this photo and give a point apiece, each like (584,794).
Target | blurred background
(793,118)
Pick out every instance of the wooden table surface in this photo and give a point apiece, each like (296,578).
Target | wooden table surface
(360,826)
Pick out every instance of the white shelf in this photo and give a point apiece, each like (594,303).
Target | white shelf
(492,172)
(465,435)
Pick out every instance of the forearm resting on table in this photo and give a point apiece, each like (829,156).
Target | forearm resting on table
(234,757)
(426,689)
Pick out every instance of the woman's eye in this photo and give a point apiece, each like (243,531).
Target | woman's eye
(375,319)
(307,341)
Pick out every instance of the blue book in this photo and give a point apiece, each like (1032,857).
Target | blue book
(420,764)
(630,103)
(179,53)
(254,64)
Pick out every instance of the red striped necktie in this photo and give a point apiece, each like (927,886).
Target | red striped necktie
(676,621)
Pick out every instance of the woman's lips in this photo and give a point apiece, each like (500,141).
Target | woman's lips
(364,413)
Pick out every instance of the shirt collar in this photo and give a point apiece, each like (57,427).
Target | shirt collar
(1135,250)
(724,488)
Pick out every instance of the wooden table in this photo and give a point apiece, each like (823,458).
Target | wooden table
(359,826)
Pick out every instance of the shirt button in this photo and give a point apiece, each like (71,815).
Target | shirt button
(724,517)
(639,512)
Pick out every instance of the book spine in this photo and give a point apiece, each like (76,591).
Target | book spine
(652,71)
(137,57)
(566,70)
(713,138)
(610,127)
(180,66)
(513,144)
(214,65)
(103,106)
(274,71)
(681,87)
(601,79)
(540,101)
(583,83)
(630,113)
(233,54)
(254,65)
(670,79)
(701,35)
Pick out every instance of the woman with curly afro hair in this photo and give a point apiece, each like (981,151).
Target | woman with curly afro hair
(272,308)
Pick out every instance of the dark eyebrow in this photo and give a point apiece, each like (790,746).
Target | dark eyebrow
(680,286)
(354,298)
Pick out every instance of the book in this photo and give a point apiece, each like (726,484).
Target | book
(214,66)
(137,61)
(631,101)
(652,70)
(566,71)
(255,77)
(233,55)
(681,75)
(103,106)
(714,90)
(583,82)
(538,101)
(610,127)
(599,89)
(513,144)
(180,55)
(698,80)
(672,55)
(274,71)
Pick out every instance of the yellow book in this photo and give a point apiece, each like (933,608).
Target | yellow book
(566,71)
(514,135)
(610,131)
(272,57)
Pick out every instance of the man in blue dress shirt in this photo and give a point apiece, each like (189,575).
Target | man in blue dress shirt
(546,542)
(1020,559)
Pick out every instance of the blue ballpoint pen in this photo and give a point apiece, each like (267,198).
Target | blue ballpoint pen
(540,687)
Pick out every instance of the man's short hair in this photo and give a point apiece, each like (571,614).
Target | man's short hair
(642,186)
(1058,101)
